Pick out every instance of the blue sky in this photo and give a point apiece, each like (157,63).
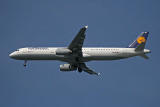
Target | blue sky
(131,82)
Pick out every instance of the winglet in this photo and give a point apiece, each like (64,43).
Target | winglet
(98,74)
(86,26)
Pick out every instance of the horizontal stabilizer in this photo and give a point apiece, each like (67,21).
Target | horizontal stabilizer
(144,56)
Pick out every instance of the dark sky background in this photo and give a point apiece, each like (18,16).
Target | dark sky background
(133,82)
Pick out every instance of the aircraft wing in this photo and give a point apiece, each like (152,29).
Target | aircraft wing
(77,42)
(88,70)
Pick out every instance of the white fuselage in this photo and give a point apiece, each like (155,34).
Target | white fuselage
(88,54)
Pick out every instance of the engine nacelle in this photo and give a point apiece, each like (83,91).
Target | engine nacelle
(63,51)
(67,67)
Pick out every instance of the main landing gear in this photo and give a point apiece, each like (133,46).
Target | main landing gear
(79,69)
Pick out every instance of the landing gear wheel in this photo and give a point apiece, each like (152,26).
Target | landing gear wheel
(79,69)
(77,59)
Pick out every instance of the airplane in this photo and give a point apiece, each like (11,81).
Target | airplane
(76,56)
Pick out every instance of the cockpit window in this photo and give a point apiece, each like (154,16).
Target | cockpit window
(17,50)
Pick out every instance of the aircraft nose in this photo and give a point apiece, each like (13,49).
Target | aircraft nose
(12,55)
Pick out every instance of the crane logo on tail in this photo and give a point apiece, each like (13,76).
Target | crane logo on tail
(141,39)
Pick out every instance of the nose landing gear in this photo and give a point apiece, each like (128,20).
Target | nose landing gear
(25,63)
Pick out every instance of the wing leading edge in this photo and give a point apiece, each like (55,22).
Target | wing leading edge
(76,45)
(77,42)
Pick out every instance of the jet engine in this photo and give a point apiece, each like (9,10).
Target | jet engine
(67,67)
(63,51)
